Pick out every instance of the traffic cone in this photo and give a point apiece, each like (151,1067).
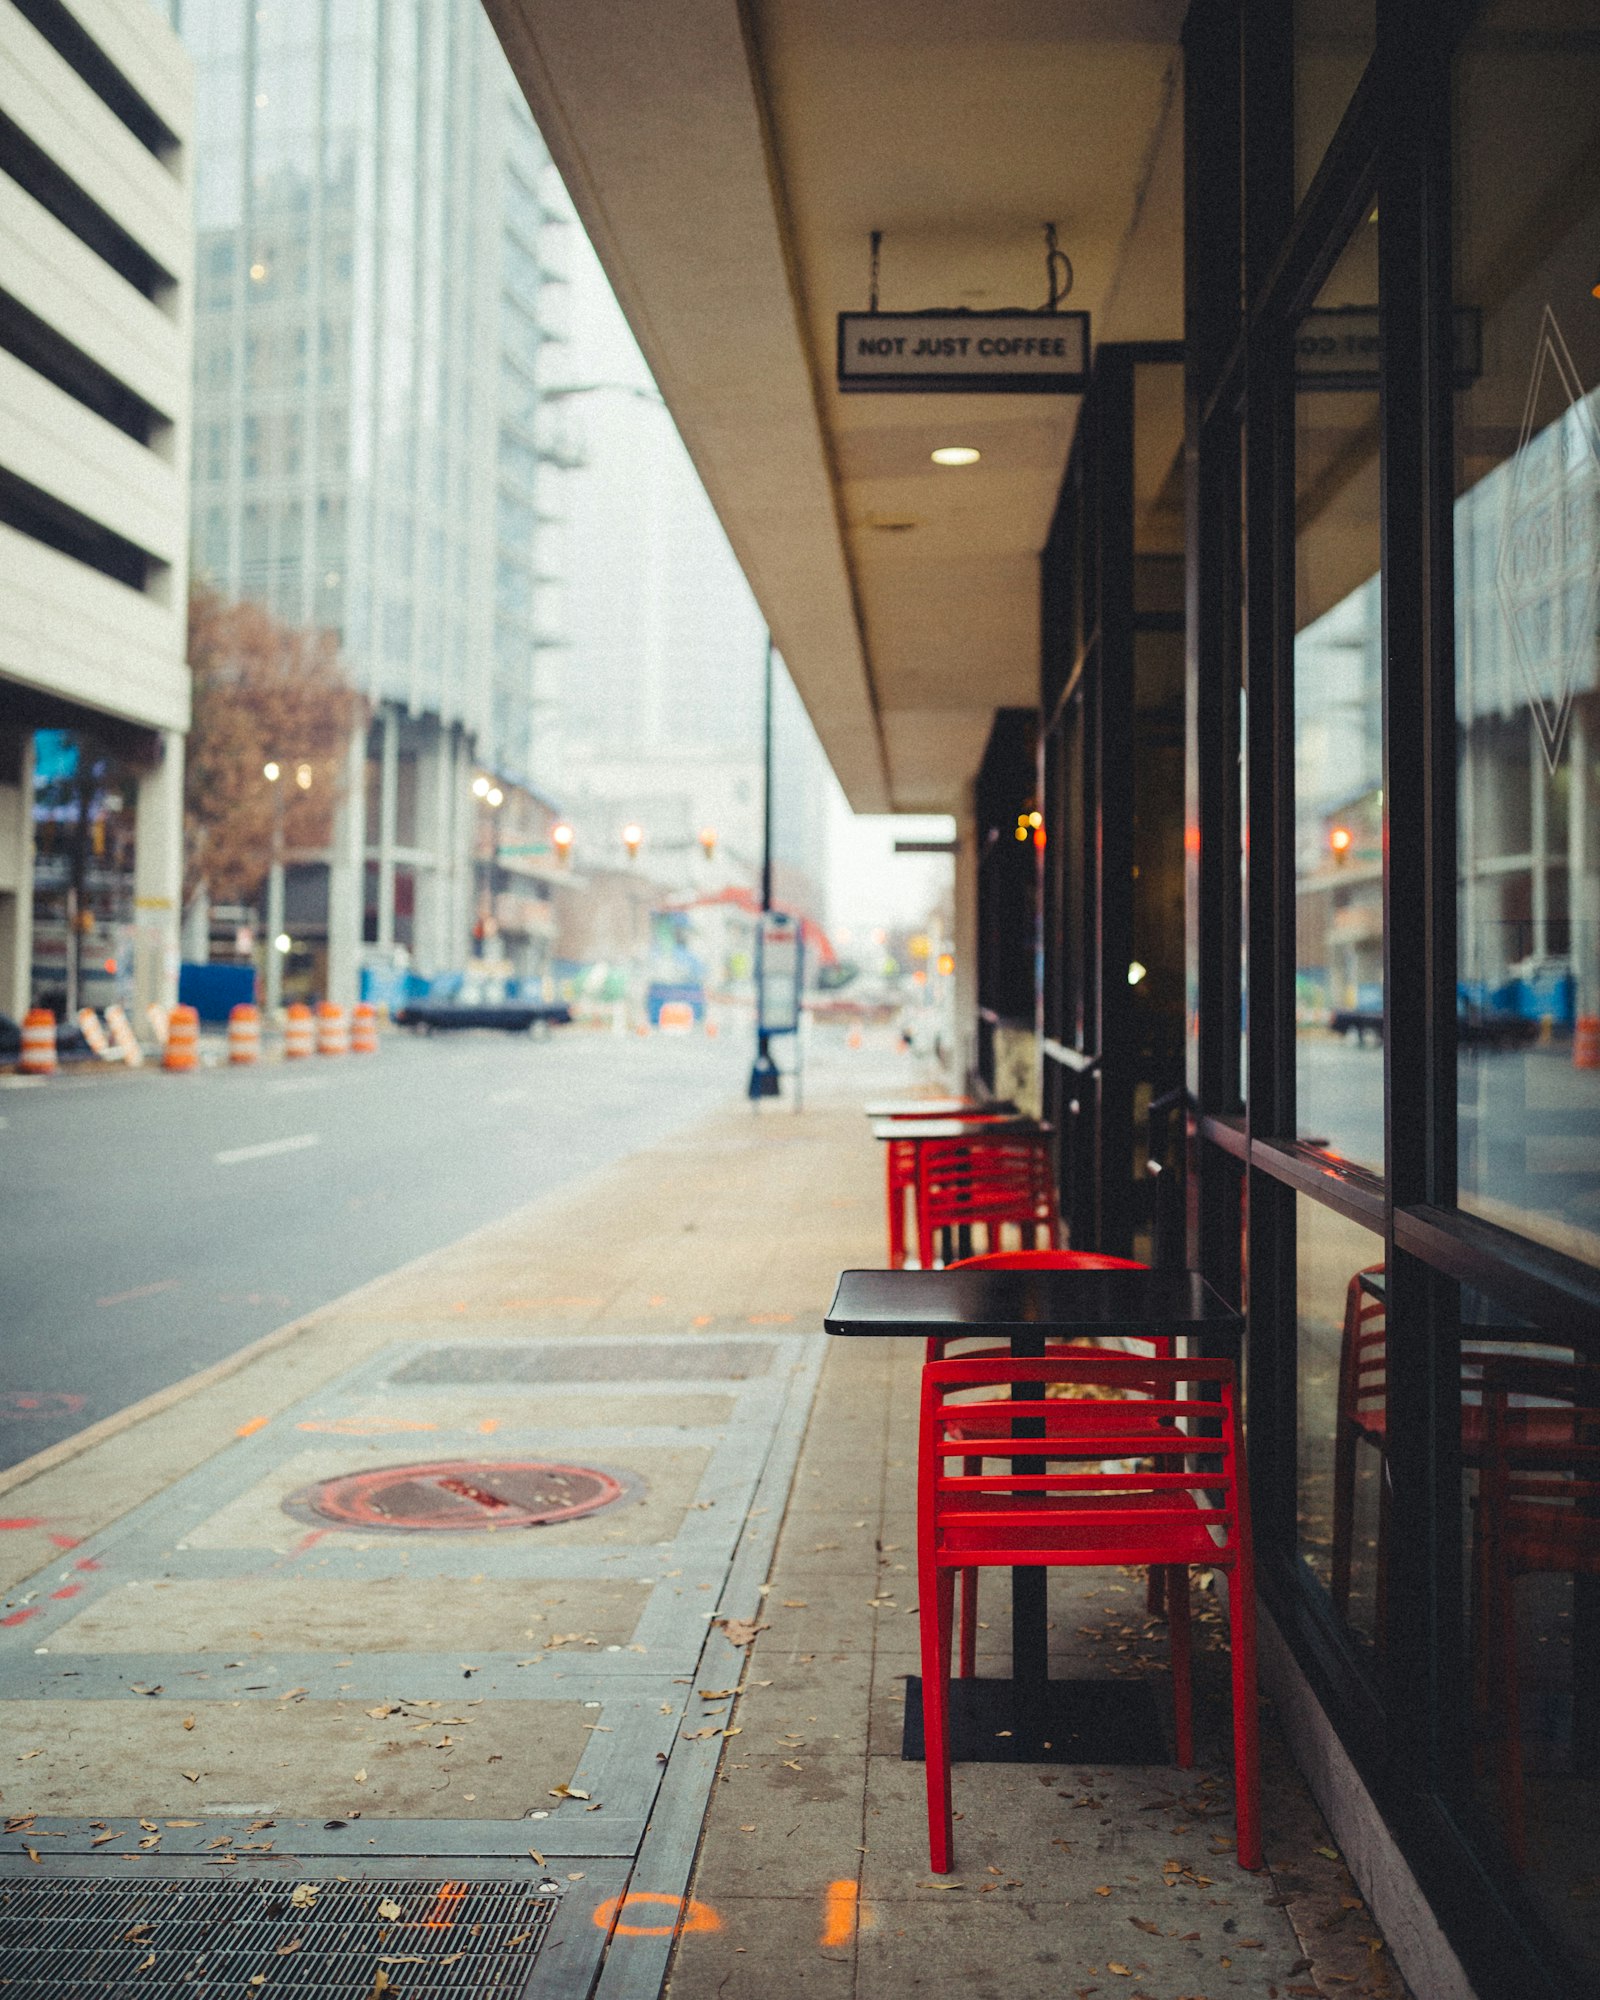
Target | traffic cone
(364,1029)
(183,1039)
(296,1031)
(38,1043)
(332,1036)
(244,1034)
(1586,1042)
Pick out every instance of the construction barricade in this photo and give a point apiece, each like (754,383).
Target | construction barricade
(364,1029)
(92,1032)
(297,1031)
(333,1038)
(38,1043)
(183,1039)
(244,1034)
(123,1037)
(1586,1042)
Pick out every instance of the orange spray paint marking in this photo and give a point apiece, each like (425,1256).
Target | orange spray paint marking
(489,1426)
(687,1915)
(439,1917)
(701,1319)
(249,1429)
(840,1913)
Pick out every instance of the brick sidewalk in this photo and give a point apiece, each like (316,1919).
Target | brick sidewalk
(204,1686)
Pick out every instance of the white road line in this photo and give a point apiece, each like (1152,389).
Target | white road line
(289,1084)
(266,1149)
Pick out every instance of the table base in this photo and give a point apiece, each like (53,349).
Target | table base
(1062,1722)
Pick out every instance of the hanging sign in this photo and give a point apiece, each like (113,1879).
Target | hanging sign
(965,353)
(780,970)
(1338,347)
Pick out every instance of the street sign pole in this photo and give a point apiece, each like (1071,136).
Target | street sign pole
(764,1071)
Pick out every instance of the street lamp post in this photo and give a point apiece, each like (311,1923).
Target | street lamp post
(764,1071)
(273,773)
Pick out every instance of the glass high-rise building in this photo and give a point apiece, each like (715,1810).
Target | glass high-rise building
(376,218)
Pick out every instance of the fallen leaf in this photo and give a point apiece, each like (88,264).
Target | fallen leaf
(739,1631)
(537,1855)
(192,1776)
(566,1792)
(790,1765)
(137,1934)
(361,1776)
(294,1944)
(145,1967)
(1144,1924)
(304,1895)
(33,1856)
(1329,1853)
(1104,1889)
(1122,1971)
(795,1604)
(186,1822)
(150,1840)
(188,1722)
(149,1825)
(100,1839)
(388,1909)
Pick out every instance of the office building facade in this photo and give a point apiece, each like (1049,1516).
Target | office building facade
(374,300)
(95,321)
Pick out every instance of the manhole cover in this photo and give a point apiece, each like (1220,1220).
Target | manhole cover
(475,1939)
(40,1403)
(598,1361)
(458,1493)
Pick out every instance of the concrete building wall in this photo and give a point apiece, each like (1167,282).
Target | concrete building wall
(96,247)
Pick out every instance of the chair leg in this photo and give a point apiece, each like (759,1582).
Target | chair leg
(1155,1591)
(1176,1582)
(1507,1698)
(969,1624)
(937,1607)
(1246,1718)
(1344,1508)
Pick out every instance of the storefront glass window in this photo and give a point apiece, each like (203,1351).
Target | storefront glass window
(1333,43)
(1343,1430)
(1338,676)
(1530,1451)
(1527,579)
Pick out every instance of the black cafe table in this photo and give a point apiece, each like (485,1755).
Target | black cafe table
(936,1107)
(1030,1718)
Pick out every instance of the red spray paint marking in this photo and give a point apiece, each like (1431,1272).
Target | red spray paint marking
(66,1541)
(71,1590)
(21,1617)
(87,1562)
(22,1521)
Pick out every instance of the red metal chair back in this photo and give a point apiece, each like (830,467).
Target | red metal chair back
(965,1182)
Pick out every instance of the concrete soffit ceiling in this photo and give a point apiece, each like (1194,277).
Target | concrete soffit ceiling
(729,163)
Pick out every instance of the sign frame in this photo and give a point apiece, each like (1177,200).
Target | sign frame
(778,927)
(960,323)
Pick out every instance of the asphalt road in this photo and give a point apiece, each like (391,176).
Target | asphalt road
(152,1224)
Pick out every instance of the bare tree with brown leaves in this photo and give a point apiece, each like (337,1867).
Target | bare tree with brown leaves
(263,692)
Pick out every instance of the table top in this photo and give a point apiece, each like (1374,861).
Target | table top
(938,1107)
(914,1304)
(971,1127)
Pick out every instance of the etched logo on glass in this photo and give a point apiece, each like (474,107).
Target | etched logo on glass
(1548,577)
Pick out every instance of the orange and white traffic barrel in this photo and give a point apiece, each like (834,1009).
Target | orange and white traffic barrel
(38,1042)
(244,1034)
(675,1017)
(183,1039)
(1586,1042)
(333,1038)
(364,1029)
(297,1031)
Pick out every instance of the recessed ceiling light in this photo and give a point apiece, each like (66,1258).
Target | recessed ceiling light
(957,454)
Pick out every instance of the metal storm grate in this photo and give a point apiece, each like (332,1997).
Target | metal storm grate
(458,1494)
(213,1937)
(599,1361)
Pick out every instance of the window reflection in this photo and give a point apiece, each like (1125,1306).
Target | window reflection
(1338,714)
(1333,43)
(1527,561)
(1343,1410)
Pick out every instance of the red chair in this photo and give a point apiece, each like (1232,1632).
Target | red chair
(962,1183)
(1075,1414)
(1538,1512)
(1171,1517)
